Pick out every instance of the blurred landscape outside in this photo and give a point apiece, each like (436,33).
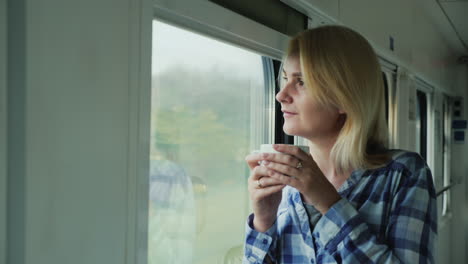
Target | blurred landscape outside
(200,135)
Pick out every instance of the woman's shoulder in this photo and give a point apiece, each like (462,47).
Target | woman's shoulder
(409,160)
(413,171)
(405,168)
(403,163)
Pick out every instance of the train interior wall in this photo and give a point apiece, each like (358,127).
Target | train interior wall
(72,104)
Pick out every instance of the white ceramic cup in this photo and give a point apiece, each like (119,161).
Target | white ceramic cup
(268,148)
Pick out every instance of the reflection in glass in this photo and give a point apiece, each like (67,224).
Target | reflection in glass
(202,93)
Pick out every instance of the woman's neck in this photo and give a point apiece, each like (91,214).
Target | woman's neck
(320,151)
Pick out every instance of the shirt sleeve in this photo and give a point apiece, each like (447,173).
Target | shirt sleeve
(259,247)
(409,236)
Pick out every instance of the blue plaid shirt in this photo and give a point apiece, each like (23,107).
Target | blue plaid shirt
(386,215)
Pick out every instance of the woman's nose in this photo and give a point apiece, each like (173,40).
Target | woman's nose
(282,96)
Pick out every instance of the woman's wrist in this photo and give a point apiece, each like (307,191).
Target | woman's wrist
(327,202)
(262,226)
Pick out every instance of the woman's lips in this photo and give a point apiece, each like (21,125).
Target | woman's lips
(288,114)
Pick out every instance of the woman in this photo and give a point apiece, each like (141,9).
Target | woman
(350,200)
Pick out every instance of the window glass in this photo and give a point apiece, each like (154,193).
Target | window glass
(206,97)
(446,150)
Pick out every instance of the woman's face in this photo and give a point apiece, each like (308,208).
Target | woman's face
(303,116)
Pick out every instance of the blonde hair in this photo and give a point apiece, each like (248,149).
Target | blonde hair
(341,69)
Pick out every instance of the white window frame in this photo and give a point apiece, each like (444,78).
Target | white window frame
(212,20)
(447,179)
(390,70)
(425,87)
(209,19)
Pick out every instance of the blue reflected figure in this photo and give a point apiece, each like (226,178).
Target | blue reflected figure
(172,219)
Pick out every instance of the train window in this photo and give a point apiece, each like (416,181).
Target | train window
(385,82)
(389,81)
(446,155)
(421,124)
(209,110)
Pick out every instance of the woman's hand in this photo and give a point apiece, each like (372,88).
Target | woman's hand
(299,170)
(265,192)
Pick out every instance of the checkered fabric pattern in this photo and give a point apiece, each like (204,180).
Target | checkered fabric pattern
(386,215)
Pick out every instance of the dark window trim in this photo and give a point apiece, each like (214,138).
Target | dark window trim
(422,105)
(280,136)
(385,81)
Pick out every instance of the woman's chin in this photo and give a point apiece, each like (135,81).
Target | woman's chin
(290,130)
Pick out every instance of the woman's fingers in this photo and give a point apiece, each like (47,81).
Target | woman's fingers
(253,160)
(290,155)
(265,192)
(285,179)
(258,172)
(265,182)
(260,179)
(258,193)
(285,159)
(284,169)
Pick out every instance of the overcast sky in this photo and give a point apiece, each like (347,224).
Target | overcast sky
(174,46)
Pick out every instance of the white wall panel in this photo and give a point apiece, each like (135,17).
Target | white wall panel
(444,248)
(380,20)
(84,76)
(459,228)
(3,129)
(423,41)
(418,40)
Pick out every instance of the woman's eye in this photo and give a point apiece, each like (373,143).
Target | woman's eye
(300,82)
